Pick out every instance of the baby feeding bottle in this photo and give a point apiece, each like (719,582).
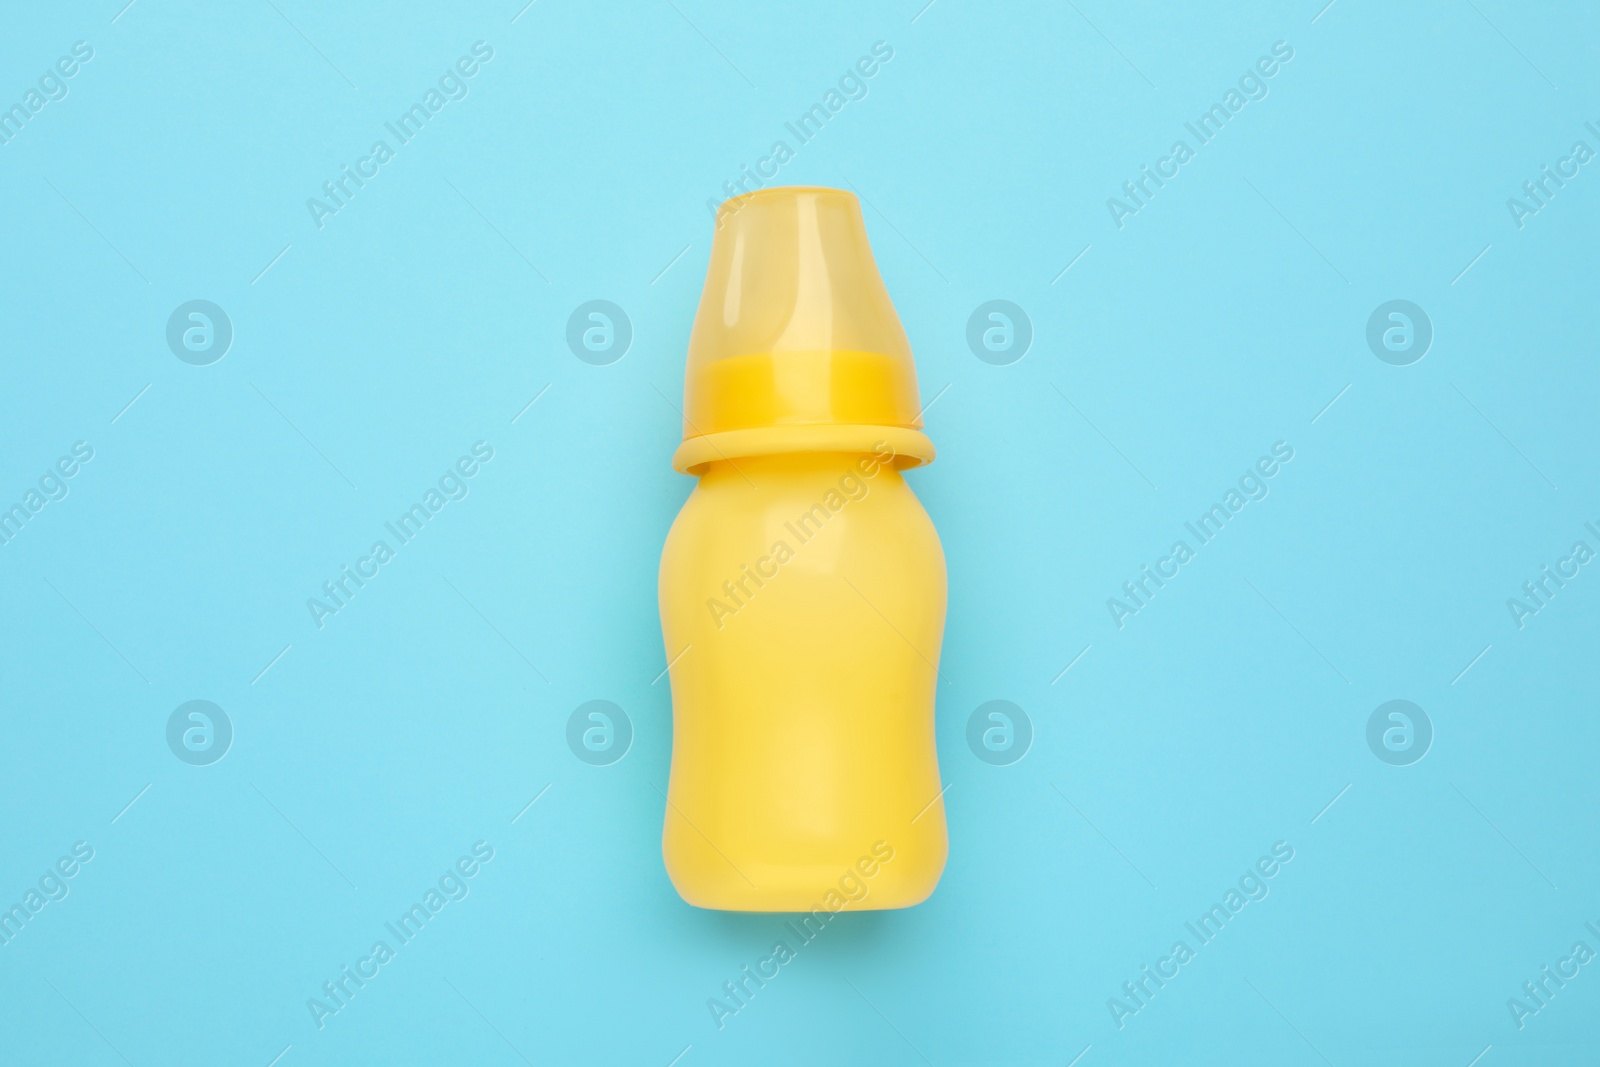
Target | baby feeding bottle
(802,585)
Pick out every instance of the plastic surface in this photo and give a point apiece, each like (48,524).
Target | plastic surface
(795,327)
(802,585)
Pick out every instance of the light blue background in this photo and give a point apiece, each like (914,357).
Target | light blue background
(1224,717)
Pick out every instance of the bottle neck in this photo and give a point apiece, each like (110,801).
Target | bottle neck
(790,467)
(904,446)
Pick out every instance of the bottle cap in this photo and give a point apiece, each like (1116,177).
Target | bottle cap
(796,346)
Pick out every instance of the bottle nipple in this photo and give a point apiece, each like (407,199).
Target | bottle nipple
(796,345)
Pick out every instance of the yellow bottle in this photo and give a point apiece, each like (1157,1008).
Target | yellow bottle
(802,586)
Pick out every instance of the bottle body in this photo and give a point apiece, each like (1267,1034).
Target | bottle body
(802,606)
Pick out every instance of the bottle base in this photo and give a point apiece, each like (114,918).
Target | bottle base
(881,879)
